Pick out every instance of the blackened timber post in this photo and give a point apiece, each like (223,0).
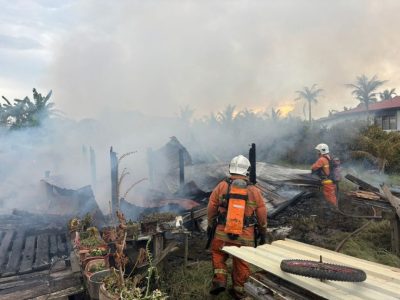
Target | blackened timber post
(93,168)
(114,181)
(252,159)
(150,166)
(181,168)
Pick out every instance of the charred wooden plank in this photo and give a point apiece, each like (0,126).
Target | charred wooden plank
(5,245)
(60,244)
(364,195)
(364,185)
(28,255)
(16,253)
(286,204)
(380,204)
(53,245)
(45,285)
(42,251)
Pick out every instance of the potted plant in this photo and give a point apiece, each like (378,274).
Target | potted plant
(95,272)
(119,286)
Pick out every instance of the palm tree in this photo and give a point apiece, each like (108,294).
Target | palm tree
(387,95)
(186,114)
(226,117)
(364,90)
(378,146)
(275,114)
(310,95)
(26,113)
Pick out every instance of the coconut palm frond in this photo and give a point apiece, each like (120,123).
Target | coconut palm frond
(364,154)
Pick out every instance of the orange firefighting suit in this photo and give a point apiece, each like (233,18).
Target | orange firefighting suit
(328,187)
(254,206)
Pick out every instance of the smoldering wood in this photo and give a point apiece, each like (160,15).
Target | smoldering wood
(67,202)
(207,176)
(364,185)
(286,204)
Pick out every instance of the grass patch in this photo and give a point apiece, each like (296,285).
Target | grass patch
(194,282)
(190,283)
(372,244)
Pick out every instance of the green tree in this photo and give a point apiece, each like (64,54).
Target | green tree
(26,113)
(364,90)
(380,147)
(310,95)
(387,94)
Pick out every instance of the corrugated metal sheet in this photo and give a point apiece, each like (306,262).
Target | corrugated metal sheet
(383,282)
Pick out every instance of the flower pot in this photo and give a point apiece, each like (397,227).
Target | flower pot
(105,295)
(95,263)
(94,281)
(82,254)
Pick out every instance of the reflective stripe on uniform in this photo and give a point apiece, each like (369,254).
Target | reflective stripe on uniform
(238,288)
(327,181)
(220,271)
(243,241)
(251,203)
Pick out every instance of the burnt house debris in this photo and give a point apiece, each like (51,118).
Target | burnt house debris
(35,257)
(39,257)
(385,199)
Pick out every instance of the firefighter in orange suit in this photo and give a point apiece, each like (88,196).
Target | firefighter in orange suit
(322,168)
(235,207)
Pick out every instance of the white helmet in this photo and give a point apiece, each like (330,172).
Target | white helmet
(322,148)
(239,165)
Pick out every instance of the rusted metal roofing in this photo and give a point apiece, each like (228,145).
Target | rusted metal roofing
(383,282)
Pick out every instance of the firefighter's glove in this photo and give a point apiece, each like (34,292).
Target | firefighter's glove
(261,239)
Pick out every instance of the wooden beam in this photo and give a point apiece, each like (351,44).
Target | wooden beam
(28,255)
(53,245)
(14,259)
(5,245)
(395,233)
(394,201)
(364,185)
(42,251)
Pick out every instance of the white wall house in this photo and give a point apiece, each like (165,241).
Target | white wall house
(385,114)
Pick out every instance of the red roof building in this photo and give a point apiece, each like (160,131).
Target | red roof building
(385,114)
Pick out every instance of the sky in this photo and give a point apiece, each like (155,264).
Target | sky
(158,56)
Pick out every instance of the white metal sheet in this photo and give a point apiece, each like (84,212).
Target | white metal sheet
(383,282)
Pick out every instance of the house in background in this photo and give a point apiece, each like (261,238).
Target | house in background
(385,114)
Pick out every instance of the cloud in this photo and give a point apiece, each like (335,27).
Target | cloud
(157,56)
(18,43)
